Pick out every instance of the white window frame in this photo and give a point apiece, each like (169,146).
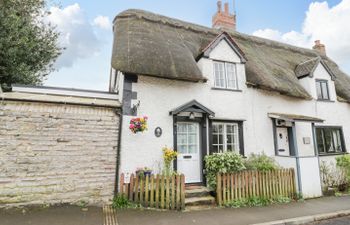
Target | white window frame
(226,79)
(236,144)
(323,84)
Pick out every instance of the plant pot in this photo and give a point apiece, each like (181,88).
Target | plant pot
(343,187)
(329,192)
(147,173)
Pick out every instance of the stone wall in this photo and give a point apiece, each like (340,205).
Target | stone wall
(56,153)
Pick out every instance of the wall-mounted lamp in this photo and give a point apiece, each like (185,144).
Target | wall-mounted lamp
(135,107)
(192,117)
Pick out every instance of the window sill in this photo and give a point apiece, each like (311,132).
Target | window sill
(225,89)
(333,154)
(325,100)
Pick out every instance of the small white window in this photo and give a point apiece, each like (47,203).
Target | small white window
(322,90)
(225,137)
(225,75)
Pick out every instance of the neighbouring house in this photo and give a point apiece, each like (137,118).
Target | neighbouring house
(58,145)
(208,90)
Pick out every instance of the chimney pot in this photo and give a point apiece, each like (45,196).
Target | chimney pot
(219,6)
(224,20)
(227,9)
(320,48)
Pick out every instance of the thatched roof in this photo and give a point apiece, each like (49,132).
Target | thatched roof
(307,68)
(155,45)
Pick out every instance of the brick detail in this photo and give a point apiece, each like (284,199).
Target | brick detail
(53,153)
(321,48)
(224,19)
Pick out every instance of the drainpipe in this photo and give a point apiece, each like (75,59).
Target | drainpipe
(118,112)
(297,157)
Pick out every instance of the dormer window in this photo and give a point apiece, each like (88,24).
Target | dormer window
(225,75)
(322,90)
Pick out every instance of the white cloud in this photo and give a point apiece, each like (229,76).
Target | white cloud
(328,24)
(102,22)
(77,35)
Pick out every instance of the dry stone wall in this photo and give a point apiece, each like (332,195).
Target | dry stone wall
(55,153)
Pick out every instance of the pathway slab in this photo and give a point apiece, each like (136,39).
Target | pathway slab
(60,215)
(243,216)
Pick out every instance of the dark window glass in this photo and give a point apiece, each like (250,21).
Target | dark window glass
(320,140)
(329,140)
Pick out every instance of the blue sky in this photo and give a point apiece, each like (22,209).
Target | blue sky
(86,63)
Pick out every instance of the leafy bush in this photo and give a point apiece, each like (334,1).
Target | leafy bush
(228,162)
(333,176)
(120,201)
(261,162)
(343,162)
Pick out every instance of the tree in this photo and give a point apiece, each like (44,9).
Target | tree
(28,43)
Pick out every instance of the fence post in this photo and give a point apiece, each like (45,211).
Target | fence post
(167,200)
(173,191)
(147,191)
(121,184)
(182,192)
(178,190)
(157,192)
(131,188)
(152,192)
(162,192)
(218,189)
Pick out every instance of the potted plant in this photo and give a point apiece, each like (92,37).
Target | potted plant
(169,155)
(138,124)
(142,172)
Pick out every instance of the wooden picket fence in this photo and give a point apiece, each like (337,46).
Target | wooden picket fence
(155,191)
(246,184)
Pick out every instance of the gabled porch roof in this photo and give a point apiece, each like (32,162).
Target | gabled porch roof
(294,117)
(192,106)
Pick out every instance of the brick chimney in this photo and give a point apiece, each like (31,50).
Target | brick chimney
(321,48)
(224,19)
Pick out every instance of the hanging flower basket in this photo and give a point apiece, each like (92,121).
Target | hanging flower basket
(138,124)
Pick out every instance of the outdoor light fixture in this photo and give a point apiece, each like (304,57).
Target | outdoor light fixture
(191,116)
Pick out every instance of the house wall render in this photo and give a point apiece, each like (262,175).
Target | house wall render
(54,153)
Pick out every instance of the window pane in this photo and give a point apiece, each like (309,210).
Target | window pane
(231,75)
(229,139)
(230,148)
(336,140)
(182,149)
(182,138)
(325,94)
(181,128)
(328,140)
(320,140)
(192,149)
(192,138)
(219,75)
(318,90)
(215,139)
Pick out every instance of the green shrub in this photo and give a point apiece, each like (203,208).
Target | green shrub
(343,162)
(261,162)
(257,202)
(228,162)
(120,201)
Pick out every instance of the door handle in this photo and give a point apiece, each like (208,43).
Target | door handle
(187,157)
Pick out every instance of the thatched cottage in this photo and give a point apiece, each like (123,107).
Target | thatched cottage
(207,90)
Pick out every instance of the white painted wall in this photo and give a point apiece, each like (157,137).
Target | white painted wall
(304,130)
(159,96)
(310,177)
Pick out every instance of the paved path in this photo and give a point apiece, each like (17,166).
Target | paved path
(64,215)
(338,221)
(242,216)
